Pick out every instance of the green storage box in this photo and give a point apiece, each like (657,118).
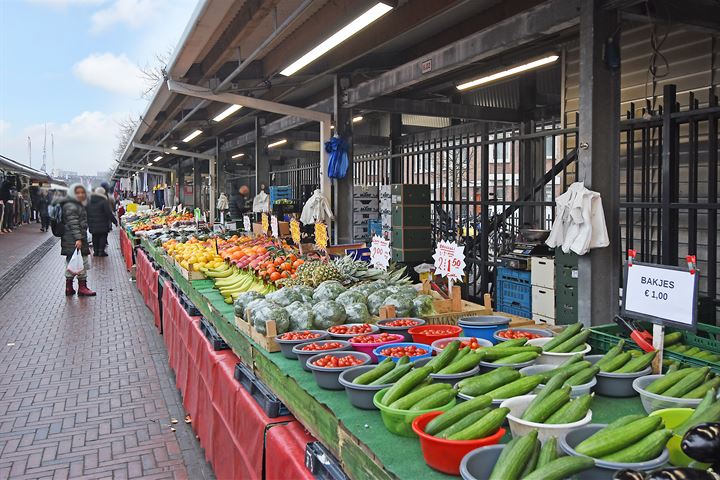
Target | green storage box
(411,238)
(411,255)
(410,194)
(410,216)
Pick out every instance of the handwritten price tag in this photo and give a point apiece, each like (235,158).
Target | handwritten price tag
(380,253)
(246,223)
(449,260)
(274,226)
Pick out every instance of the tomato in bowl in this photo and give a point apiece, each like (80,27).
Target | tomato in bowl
(368,343)
(396,351)
(515,333)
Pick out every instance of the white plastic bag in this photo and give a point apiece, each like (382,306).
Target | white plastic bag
(75,265)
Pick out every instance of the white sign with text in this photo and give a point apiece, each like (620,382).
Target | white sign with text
(449,260)
(274,226)
(380,253)
(246,223)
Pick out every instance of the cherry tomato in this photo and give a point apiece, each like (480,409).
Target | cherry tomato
(331,361)
(402,322)
(378,338)
(321,346)
(513,334)
(304,335)
(472,343)
(403,351)
(351,330)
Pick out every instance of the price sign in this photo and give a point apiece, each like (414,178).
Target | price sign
(274,226)
(661,294)
(295,231)
(321,236)
(380,253)
(246,223)
(450,260)
(265,222)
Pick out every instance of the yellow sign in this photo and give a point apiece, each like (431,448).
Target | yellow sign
(295,231)
(265,222)
(321,236)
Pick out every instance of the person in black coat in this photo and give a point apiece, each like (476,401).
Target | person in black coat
(100,218)
(74,219)
(42,203)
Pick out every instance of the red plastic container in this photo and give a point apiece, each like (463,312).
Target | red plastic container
(369,347)
(429,333)
(446,455)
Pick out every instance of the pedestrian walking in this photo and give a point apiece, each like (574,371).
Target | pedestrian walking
(100,217)
(74,219)
(43,202)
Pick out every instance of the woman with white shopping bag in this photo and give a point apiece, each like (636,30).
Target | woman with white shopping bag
(73,243)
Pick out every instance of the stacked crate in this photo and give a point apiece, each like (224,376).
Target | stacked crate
(365,210)
(566,288)
(410,223)
(513,292)
(542,275)
(386,210)
(280,192)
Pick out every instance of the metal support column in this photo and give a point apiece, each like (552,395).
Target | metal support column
(221,171)
(343,191)
(262,162)
(598,158)
(670,173)
(396,162)
(529,169)
(197,184)
(179,182)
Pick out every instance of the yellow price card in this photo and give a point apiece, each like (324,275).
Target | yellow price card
(265,222)
(295,231)
(321,236)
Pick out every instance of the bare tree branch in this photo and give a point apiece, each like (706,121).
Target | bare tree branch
(153,73)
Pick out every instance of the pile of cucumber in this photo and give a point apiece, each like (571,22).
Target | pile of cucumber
(685,383)
(572,339)
(553,404)
(673,344)
(617,361)
(524,458)
(385,372)
(454,360)
(501,383)
(707,411)
(415,391)
(510,352)
(629,439)
(470,420)
(576,370)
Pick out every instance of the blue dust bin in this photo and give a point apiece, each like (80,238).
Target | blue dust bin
(483,326)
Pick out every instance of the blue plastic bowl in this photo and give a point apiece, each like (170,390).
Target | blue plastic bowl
(381,357)
(483,326)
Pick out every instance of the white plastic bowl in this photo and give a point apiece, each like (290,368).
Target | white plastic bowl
(653,401)
(518,426)
(549,358)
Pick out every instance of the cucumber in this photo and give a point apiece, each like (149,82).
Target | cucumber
(616,363)
(484,427)
(667,381)
(515,342)
(517,358)
(488,381)
(521,386)
(468,362)
(491,354)
(436,400)
(548,452)
(513,463)
(672,366)
(460,355)
(707,411)
(635,353)
(699,392)
(612,353)
(688,383)
(574,359)
(393,375)
(371,375)
(464,423)
(623,421)
(555,383)
(424,383)
(573,411)
(570,369)
(570,331)
(405,384)
(583,376)
(456,413)
(445,357)
(572,342)
(549,405)
(692,351)
(532,461)
(646,449)
(605,442)
(560,468)
(407,401)
(506,451)
(579,348)
(672,338)
(680,348)
(638,363)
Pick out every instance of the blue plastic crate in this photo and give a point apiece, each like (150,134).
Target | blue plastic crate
(375,227)
(513,310)
(517,276)
(281,192)
(512,293)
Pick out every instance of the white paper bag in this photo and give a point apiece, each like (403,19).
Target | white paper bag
(75,265)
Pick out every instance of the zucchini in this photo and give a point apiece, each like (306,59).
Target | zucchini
(707,411)
(443,359)
(532,461)
(484,427)
(571,343)
(570,331)
(612,353)
(510,465)
(605,442)
(407,401)
(405,384)
(560,468)
(667,381)
(646,449)
(371,375)
(699,392)
(672,338)
(468,362)
(583,376)
(615,363)
(491,354)
(573,411)
(456,413)
(399,371)
(436,400)
(549,405)
(463,423)
(521,386)
(555,383)
(548,452)
(687,383)
(638,364)
(517,358)
(488,381)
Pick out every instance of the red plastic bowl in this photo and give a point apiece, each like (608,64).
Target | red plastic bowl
(446,455)
(369,347)
(420,334)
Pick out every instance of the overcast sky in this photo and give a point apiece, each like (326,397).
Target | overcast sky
(74,64)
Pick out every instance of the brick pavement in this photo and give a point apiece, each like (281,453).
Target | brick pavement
(85,390)
(21,242)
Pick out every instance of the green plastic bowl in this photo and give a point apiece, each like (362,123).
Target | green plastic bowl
(673,417)
(398,421)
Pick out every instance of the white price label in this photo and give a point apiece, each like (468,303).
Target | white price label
(274,226)
(246,223)
(380,253)
(449,260)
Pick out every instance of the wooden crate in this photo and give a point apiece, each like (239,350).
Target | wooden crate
(265,341)
(449,311)
(242,325)
(188,274)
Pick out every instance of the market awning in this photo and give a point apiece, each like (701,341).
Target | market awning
(16,167)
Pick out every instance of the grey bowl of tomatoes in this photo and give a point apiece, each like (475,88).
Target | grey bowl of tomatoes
(512,333)
(288,340)
(350,330)
(416,351)
(305,351)
(400,326)
(327,367)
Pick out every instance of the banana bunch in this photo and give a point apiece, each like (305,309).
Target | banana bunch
(237,282)
(223,271)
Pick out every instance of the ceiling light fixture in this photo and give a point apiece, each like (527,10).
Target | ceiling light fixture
(509,72)
(279,142)
(337,38)
(227,112)
(159,157)
(173,147)
(357,119)
(238,155)
(193,135)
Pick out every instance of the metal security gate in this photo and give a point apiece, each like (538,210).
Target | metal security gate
(302,175)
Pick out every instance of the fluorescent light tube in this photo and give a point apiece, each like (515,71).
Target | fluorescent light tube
(509,72)
(359,118)
(279,142)
(337,38)
(238,155)
(190,137)
(227,112)
(173,147)
(157,158)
